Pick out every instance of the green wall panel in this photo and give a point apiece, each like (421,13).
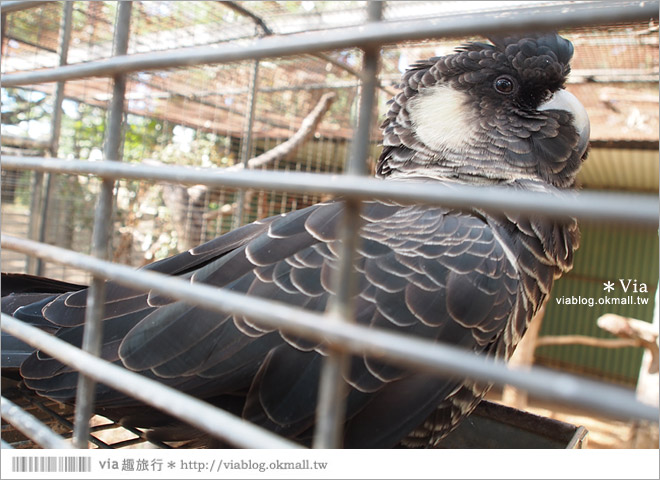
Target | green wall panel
(607,254)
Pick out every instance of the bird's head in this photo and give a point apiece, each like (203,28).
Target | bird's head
(490,112)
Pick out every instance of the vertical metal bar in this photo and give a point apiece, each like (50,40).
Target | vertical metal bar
(37,188)
(246,147)
(65,40)
(331,408)
(43,219)
(3,27)
(357,164)
(101,236)
(56,122)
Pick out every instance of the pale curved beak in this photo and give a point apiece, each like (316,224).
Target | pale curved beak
(563,100)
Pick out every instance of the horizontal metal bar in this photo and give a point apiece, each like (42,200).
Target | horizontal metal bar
(196,412)
(18,6)
(23,142)
(387,346)
(30,426)
(532,18)
(637,209)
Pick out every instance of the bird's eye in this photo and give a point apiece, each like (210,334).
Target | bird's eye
(504,84)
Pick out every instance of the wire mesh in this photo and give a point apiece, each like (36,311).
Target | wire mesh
(195,115)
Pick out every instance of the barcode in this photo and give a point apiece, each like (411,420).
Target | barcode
(51,464)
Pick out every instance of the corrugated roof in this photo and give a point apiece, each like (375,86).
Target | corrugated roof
(620,169)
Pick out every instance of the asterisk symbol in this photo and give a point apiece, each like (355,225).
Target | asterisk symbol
(608,286)
(171,464)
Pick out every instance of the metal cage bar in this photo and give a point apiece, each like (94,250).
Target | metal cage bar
(342,336)
(267,31)
(30,426)
(64,422)
(246,139)
(92,332)
(196,412)
(56,121)
(331,407)
(624,208)
(20,5)
(399,348)
(530,18)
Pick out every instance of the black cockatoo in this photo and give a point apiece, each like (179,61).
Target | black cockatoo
(488,114)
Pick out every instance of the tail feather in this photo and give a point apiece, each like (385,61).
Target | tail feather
(23,283)
(24,296)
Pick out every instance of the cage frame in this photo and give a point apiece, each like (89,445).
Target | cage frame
(334,326)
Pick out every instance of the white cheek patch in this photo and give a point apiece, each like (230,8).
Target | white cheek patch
(440,118)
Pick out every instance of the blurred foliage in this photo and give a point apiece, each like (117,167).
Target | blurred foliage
(20,105)
(203,150)
(82,133)
(143,136)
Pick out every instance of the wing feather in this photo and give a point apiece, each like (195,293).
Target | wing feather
(424,271)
